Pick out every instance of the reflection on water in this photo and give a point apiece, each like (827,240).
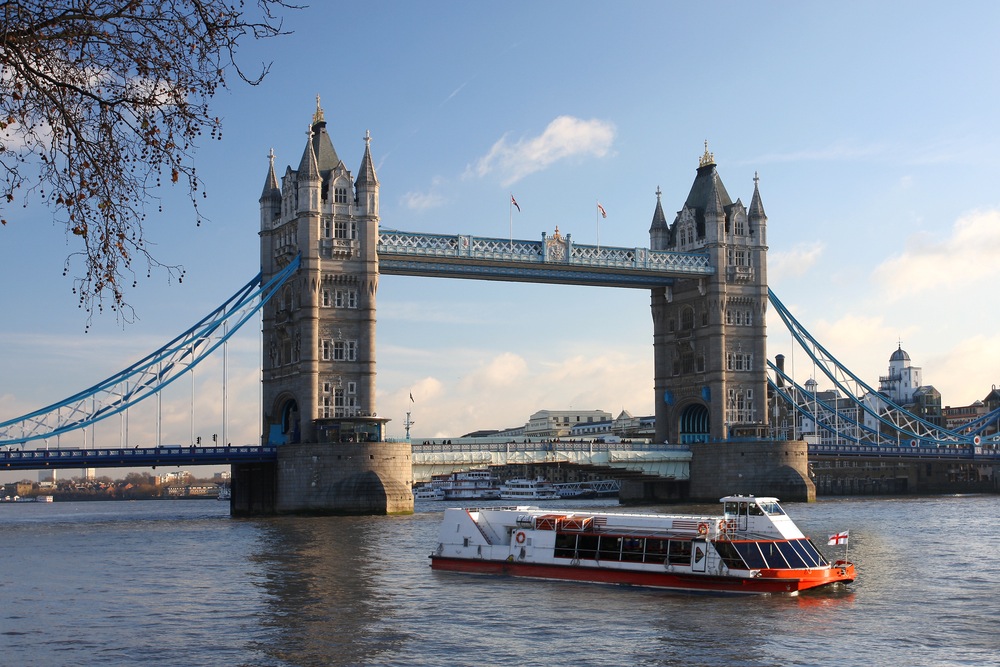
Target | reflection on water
(324,594)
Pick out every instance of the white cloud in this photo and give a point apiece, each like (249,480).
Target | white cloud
(793,263)
(422,201)
(565,137)
(930,264)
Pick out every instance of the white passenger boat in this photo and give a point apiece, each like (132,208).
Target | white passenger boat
(428,492)
(754,547)
(528,490)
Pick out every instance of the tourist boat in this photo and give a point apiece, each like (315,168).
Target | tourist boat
(753,548)
(428,492)
(478,484)
(528,489)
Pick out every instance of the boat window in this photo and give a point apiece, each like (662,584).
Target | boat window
(610,549)
(656,550)
(565,545)
(771,508)
(679,552)
(751,554)
(632,548)
(732,508)
(772,556)
(586,546)
(808,552)
(791,555)
(730,556)
(755,510)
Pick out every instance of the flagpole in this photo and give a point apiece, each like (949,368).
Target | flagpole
(597,217)
(510,220)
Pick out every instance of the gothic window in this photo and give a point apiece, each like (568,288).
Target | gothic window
(704,318)
(352,298)
(325,349)
(324,407)
(327,387)
(741,225)
(352,387)
(327,227)
(339,299)
(326,301)
(340,229)
(345,350)
(340,195)
(687,319)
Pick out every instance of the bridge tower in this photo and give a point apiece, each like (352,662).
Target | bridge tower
(709,348)
(319,339)
(709,333)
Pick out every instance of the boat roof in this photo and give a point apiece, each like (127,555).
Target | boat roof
(750,498)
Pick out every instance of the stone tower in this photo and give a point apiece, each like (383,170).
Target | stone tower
(709,333)
(319,336)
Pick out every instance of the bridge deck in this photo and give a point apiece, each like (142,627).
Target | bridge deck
(551,260)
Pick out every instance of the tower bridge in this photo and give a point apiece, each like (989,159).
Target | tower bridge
(323,248)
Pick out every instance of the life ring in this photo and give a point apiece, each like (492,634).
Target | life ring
(702,528)
(519,538)
(723,526)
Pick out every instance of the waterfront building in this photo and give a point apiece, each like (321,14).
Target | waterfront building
(559,423)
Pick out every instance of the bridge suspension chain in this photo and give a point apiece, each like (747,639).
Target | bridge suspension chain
(900,423)
(149,375)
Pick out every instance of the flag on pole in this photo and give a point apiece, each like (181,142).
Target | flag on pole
(600,208)
(514,202)
(411,397)
(839,538)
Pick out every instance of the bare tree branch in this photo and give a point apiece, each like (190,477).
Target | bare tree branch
(100,102)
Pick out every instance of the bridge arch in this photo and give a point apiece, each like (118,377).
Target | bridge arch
(694,423)
(285,428)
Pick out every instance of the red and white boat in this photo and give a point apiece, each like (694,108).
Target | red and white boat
(754,547)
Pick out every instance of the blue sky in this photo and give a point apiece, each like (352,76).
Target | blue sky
(873,127)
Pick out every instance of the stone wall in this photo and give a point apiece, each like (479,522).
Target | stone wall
(345,478)
(778,468)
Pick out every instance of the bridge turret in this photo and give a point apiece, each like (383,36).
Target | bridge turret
(366,187)
(659,231)
(309,180)
(270,197)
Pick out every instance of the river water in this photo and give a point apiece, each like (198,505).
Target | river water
(182,583)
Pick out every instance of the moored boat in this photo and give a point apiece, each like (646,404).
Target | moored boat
(528,489)
(753,548)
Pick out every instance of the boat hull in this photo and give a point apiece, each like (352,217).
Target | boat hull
(769,581)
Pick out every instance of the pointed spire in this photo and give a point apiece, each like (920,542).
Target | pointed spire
(318,115)
(308,168)
(756,212)
(366,172)
(706,159)
(271,186)
(659,220)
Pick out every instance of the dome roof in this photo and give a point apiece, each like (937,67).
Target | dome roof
(899,355)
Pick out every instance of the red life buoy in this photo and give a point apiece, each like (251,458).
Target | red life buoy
(520,538)
(702,528)
(723,526)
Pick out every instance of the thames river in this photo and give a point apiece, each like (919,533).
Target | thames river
(182,583)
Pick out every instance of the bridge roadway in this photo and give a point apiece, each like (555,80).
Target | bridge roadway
(432,458)
(135,457)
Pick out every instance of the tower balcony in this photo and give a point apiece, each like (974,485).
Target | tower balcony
(739,274)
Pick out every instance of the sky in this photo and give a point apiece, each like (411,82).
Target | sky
(872,127)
